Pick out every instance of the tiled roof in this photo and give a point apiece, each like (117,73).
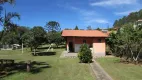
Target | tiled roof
(84,33)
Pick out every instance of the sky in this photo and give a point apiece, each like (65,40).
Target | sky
(69,13)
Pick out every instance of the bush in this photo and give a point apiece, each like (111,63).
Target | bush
(85,55)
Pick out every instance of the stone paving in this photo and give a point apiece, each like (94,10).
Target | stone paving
(65,54)
(99,72)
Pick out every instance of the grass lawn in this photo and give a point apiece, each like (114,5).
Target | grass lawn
(59,68)
(120,71)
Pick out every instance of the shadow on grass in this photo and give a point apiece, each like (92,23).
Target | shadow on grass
(36,67)
(59,47)
(43,53)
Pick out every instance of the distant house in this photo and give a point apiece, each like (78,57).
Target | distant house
(94,38)
(138,23)
(10,47)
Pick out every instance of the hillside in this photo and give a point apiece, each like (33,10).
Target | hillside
(131,18)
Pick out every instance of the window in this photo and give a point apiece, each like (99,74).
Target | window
(99,40)
(84,41)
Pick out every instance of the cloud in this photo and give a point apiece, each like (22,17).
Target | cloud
(88,16)
(125,12)
(113,2)
(91,17)
(102,21)
(73,8)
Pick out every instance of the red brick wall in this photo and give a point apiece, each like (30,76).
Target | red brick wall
(97,47)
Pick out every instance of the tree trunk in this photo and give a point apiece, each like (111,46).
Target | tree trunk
(34,51)
(1,35)
(28,66)
(57,45)
(31,49)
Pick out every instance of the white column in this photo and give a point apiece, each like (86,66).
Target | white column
(22,47)
(67,48)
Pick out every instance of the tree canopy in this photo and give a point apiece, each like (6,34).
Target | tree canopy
(126,43)
(52,26)
(34,37)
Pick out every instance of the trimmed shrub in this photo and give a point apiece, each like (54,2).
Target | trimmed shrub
(85,55)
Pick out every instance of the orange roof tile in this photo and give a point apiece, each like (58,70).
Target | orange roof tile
(83,33)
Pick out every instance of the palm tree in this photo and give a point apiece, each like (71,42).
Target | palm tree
(7,23)
(7,20)
(9,1)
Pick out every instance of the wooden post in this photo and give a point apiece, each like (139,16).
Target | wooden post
(28,65)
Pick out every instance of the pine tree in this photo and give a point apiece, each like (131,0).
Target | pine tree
(76,28)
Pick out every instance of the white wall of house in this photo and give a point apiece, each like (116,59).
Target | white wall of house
(77,47)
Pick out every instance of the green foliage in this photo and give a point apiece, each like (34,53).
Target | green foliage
(10,38)
(13,37)
(58,39)
(85,54)
(52,26)
(7,21)
(111,41)
(76,28)
(127,42)
(98,29)
(34,37)
(53,29)
(89,28)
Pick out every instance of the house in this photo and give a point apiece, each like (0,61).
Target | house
(138,23)
(94,38)
(10,47)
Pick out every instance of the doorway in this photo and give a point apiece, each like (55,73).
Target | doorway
(71,47)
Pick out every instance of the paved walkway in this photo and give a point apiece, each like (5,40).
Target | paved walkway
(99,72)
(65,54)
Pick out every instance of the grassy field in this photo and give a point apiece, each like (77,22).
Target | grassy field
(120,71)
(49,67)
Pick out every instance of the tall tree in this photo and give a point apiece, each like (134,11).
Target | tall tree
(76,28)
(35,37)
(52,27)
(9,1)
(5,20)
(1,7)
(7,23)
